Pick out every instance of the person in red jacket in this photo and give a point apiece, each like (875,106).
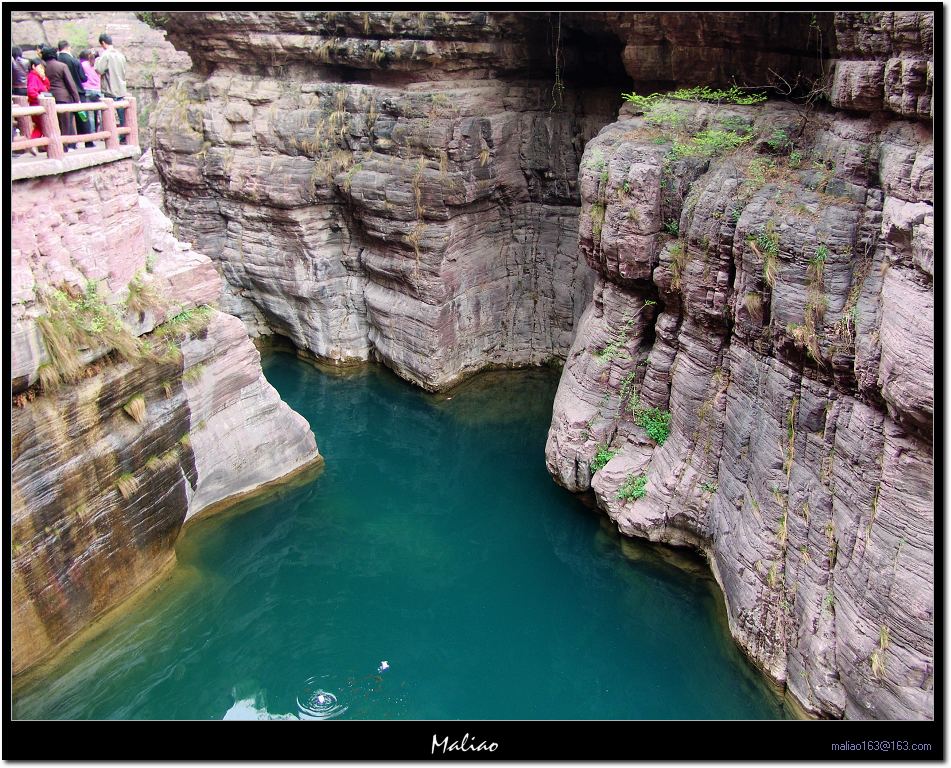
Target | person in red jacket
(36,83)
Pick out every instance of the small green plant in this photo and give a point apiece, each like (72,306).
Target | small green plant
(766,245)
(633,487)
(602,457)
(817,262)
(655,421)
(778,140)
(641,102)
(672,227)
(193,374)
(186,322)
(710,486)
(709,143)
(795,159)
(614,349)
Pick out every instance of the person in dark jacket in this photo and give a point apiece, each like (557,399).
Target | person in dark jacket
(20,69)
(83,126)
(62,87)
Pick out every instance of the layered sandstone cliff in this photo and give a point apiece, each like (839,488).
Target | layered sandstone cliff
(765,282)
(399,186)
(137,403)
(405,186)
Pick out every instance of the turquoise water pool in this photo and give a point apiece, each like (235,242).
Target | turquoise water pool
(433,540)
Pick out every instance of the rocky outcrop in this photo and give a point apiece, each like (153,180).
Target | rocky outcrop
(765,295)
(748,304)
(390,186)
(137,404)
(152,61)
(886,62)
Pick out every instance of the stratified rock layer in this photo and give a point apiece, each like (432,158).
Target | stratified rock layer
(777,299)
(106,469)
(405,186)
(422,210)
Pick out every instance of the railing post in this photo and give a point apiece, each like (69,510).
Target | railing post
(109,124)
(50,122)
(25,124)
(132,121)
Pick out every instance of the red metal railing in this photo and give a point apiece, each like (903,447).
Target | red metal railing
(53,140)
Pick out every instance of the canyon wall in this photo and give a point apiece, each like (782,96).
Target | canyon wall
(397,186)
(152,61)
(137,403)
(766,284)
(755,280)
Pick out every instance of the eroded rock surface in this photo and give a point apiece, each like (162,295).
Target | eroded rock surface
(421,210)
(776,298)
(405,186)
(108,463)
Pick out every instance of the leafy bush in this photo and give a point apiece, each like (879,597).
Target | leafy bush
(634,487)
(709,143)
(672,227)
(655,421)
(732,95)
(602,457)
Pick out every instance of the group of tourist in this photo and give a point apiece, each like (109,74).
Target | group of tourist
(43,71)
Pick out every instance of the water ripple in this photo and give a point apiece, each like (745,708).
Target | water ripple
(314,703)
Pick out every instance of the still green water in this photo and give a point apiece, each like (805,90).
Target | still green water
(435,540)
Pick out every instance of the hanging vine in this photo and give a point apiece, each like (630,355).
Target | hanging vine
(558,89)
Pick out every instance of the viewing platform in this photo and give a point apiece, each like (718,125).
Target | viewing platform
(57,159)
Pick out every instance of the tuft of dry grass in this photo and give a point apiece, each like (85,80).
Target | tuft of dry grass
(60,346)
(753,303)
(136,409)
(143,296)
(678,262)
(49,377)
(127,485)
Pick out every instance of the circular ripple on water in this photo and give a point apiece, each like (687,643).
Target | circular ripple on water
(314,703)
